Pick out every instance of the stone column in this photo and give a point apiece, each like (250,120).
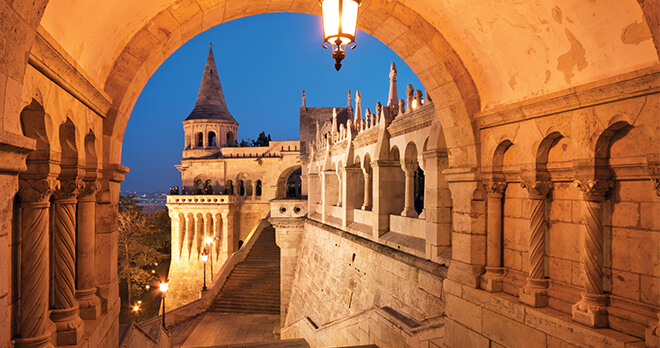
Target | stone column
(409,194)
(387,194)
(653,331)
(351,194)
(328,192)
(492,280)
(33,291)
(288,235)
(535,292)
(227,239)
(366,205)
(89,303)
(340,186)
(591,310)
(70,328)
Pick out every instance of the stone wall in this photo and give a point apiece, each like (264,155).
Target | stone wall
(340,275)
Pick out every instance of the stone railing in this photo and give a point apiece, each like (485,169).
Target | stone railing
(368,327)
(201,199)
(197,307)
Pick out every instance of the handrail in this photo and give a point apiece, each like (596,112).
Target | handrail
(192,309)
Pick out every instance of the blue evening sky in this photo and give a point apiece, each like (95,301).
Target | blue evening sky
(264,63)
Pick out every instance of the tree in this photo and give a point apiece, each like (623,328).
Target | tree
(139,244)
(262,140)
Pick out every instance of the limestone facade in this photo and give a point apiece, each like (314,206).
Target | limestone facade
(544,94)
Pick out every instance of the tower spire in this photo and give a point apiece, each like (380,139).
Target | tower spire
(393,99)
(211,102)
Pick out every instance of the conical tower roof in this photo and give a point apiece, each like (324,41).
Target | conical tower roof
(210,98)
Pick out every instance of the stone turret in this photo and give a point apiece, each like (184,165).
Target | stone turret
(210,126)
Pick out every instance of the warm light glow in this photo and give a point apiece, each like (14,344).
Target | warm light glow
(331,29)
(205,257)
(163,287)
(147,287)
(414,104)
(136,308)
(153,271)
(140,301)
(339,26)
(208,240)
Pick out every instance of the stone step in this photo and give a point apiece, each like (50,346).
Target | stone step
(254,284)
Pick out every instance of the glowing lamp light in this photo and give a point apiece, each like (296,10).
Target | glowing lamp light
(339,26)
(208,240)
(148,287)
(163,287)
(205,256)
(136,308)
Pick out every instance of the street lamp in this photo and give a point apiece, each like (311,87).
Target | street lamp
(339,26)
(208,241)
(205,257)
(136,309)
(163,289)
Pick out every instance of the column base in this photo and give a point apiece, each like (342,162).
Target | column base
(70,328)
(409,212)
(34,342)
(366,207)
(491,281)
(535,293)
(591,311)
(89,304)
(653,334)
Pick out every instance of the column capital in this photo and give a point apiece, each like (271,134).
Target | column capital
(38,190)
(594,189)
(69,189)
(89,191)
(537,189)
(495,188)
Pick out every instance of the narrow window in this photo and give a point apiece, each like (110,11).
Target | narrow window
(257,189)
(212,139)
(200,139)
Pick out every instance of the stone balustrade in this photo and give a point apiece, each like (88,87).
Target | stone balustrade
(201,199)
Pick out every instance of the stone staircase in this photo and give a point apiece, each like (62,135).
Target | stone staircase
(253,286)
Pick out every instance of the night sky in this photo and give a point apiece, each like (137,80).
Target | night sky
(264,63)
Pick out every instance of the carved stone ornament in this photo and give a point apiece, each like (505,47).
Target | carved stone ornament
(654,171)
(537,189)
(69,189)
(91,188)
(37,191)
(495,187)
(594,190)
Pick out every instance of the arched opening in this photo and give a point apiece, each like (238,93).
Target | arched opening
(283,181)
(198,186)
(419,190)
(211,141)
(230,139)
(241,188)
(200,139)
(229,188)
(293,184)
(257,189)
(248,188)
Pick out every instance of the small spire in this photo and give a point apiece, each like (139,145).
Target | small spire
(410,94)
(393,98)
(304,103)
(349,99)
(358,107)
(210,103)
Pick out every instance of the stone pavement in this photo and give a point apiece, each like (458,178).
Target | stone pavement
(215,329)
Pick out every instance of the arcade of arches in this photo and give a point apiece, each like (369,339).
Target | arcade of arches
(541,173)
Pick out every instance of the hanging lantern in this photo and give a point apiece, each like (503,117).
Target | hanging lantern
(339,26)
